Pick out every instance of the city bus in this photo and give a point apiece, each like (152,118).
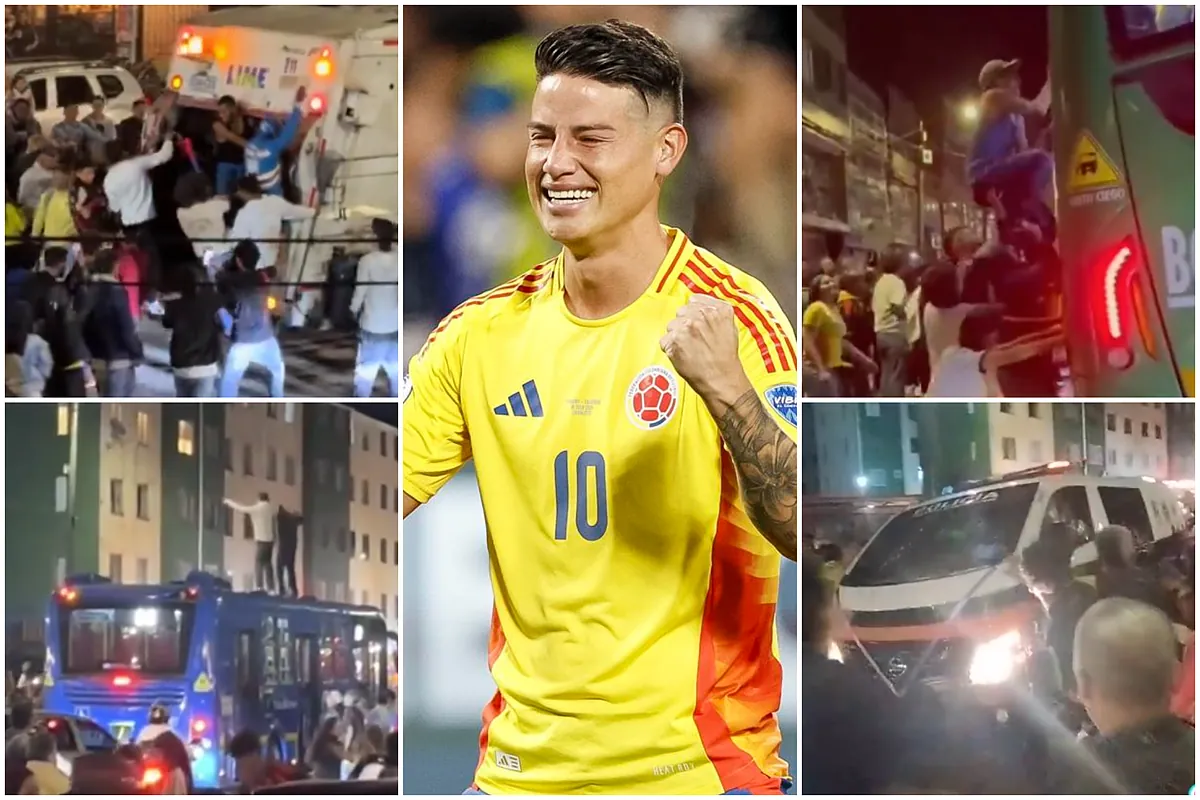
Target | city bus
(220,661)
(1124,117)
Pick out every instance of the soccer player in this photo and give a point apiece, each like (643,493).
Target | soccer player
(631,409)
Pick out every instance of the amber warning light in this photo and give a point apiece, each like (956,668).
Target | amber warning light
(323,67)
(190,44)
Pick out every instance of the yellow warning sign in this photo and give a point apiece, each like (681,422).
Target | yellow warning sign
(1091,168)
(203,683)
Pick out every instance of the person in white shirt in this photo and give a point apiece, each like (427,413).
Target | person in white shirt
(36,180)
(158,723)
(131,197)
(971,368)
(262,522)
(201,216)
(376,303)
(891,335)
(261,221)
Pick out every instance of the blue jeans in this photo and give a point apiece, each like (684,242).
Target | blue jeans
(241,355)
(118,381)
(377,351)
(196,387)
(227,177)
(1029,174)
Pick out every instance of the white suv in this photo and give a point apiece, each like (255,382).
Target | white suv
(56,84)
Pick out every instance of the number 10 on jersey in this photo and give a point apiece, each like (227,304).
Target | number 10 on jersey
(586,488)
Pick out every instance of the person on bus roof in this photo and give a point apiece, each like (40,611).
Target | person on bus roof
(265,149)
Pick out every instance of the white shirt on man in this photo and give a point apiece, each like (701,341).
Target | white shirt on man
(377,293)
(889,293)
(262,518)
(262,219)
(128,189)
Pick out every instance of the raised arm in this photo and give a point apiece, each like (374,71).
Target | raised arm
(704,344)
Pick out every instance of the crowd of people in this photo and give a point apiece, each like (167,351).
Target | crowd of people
(111,226)
(897,325)
(1108,706)
(355,739)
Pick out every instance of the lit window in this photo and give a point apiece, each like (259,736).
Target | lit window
(186,444)
(64,419)
(143,428)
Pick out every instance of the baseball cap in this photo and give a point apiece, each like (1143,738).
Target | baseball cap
(995,69)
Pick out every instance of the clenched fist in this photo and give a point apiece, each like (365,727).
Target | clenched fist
(702,343)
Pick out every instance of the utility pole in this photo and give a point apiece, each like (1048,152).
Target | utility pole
(72,484)
(200,489)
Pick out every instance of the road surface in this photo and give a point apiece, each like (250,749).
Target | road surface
(320,364)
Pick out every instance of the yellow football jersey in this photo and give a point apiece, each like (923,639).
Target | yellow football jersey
(633,636)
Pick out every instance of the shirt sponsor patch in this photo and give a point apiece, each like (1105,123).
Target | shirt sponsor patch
(508,761)
(784,400)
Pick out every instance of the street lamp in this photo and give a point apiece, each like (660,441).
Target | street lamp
(861,481)
(969,111)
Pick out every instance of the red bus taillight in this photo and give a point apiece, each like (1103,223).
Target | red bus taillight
(1122,307)
(121,681)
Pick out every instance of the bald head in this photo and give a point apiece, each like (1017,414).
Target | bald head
(1114,545)
(1125,653)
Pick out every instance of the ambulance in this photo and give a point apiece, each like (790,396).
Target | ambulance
(935,597)
(343,162)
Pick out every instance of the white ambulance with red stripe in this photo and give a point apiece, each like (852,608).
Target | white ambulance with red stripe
(935,596)
(344,161)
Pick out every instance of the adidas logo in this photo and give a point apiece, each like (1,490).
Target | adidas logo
(524,403)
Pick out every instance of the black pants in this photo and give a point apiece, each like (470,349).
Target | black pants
(264,574)
(285,566)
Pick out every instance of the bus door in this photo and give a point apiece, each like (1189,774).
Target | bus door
(248,700)
(308,685)
(1154,95)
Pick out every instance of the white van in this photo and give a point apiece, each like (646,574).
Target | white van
(935,595)
(344,162)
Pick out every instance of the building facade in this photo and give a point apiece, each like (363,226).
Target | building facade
(889,449)
(134,492)
(375,515)
(825,129)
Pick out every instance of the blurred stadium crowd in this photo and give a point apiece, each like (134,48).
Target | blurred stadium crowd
(468,82)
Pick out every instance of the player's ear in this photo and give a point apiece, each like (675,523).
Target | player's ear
(672,143)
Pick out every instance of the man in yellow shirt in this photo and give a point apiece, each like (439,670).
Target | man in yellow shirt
(631,408)
(54,219)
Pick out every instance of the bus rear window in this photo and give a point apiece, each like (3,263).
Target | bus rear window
(1140,29)
(149,639)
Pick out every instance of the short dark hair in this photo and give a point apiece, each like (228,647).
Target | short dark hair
(55,256)
(244,743)
(246,254)
(939,285)
(227,100)
(40,745)
(105,262)
(1047,562)
(21,712)
(249,184)
(977,327)
(615,53)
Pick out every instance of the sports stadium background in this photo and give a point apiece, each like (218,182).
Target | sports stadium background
(468,79)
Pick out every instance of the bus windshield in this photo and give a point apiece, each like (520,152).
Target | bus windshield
(949,537)
(149,639)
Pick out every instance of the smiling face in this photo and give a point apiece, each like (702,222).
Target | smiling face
(597,156)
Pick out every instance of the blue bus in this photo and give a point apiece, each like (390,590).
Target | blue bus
(220,661)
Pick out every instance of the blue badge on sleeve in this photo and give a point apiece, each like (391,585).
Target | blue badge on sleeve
(785,400)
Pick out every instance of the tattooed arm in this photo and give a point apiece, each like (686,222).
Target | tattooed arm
(765,458)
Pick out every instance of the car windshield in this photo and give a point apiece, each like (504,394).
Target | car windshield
(944,538)
(150,639)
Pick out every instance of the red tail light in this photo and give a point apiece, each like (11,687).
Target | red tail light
(1121,307)
(121,681)
(52,724)
(199,726)
(68,594)
(316,104)
(152,776)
